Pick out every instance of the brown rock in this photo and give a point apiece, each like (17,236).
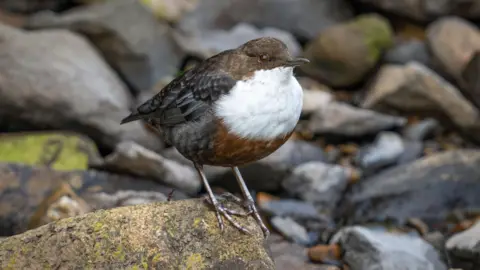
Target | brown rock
(324,253)
(343,54)
(453,41)
(63,203)
(415,89)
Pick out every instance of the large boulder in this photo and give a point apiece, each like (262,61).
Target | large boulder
(128,35)
(429,189)
(55,79)
(170,235)
(452,42)
(343,54)
(417,90)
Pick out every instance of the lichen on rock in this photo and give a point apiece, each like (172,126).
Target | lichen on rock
(181,234)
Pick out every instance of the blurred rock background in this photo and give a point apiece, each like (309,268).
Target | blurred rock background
(382,173)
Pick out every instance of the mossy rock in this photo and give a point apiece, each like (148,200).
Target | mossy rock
(169,10)
(181,234)
(57,150)
(342,55)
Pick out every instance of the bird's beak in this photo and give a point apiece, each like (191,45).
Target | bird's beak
(297,62)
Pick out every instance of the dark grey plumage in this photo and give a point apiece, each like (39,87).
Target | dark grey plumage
(187,97)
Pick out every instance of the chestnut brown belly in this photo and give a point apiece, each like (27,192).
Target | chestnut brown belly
(231,150)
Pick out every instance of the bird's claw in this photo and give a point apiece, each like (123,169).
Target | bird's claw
(249,205)
(220,211)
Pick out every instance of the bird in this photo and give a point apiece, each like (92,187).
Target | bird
(231,109)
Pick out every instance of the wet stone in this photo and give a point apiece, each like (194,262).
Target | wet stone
(428,188)
(319,183)
(295,209)
(370,249)
(412,151)
(385,150)
(464,249)
(422,130)
(291,230)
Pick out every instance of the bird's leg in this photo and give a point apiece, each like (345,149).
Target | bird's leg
(219,209)
(250,204)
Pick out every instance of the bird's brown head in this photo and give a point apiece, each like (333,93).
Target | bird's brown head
(262,54)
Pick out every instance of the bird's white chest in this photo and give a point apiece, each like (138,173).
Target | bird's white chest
(265,107)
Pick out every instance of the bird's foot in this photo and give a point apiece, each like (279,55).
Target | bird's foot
(250,207)
(220,211)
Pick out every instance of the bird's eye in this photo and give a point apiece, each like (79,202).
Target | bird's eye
(264,57)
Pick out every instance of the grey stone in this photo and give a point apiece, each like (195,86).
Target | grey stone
(427,10)
(102,200)
(375,250)
(425,189)
(337,118)
(314,100)
(319,183)
(410,50)
(463,249)
(54,79)
(295,209)
(291,230)
(288,256)
(437,240)
(412,151)
(207,43)
(302,18)
(422,130)
(30,6)
(135,159)
(128,35)
(385,150)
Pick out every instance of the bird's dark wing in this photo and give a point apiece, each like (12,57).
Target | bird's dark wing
(185,98)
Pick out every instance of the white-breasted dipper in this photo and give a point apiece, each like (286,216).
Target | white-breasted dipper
(236,107)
